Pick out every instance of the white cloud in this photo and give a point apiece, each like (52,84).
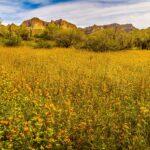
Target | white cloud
(85,13)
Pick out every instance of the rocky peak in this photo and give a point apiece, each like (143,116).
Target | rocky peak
(64,24)
(35,23)
(126,27)
(91,29)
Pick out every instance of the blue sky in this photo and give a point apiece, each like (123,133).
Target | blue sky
(81,12)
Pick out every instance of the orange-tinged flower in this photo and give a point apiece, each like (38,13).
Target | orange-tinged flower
(40,120)
(26,129)
(4,122)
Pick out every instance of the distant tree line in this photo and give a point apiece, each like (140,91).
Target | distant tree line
(111,39)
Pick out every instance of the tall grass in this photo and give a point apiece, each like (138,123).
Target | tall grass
(70,99)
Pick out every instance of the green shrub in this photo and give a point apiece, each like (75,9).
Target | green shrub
(50,33)
(13,41)
(108,39)
(43,44)
(70,37)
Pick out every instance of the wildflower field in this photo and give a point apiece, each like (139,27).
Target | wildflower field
(70,99)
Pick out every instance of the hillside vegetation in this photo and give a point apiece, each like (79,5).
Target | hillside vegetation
(73,99)
(60,33)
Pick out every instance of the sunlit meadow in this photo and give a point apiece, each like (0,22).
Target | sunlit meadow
(71,99)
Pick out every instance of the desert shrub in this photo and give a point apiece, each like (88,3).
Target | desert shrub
(95,43)
(24,33)
(13,40)
(70,37)
(42,44)
(141,39)
(3,31)
(50,33)
(108,39)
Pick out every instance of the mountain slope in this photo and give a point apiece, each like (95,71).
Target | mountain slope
(37,23)
(64,24)
(126,27)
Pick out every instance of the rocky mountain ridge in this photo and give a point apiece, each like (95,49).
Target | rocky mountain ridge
(126,27)
(36,23)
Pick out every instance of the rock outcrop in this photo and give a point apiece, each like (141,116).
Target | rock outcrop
(126,27)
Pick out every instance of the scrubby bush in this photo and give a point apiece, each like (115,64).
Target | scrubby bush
(50,33)
(70,37)
(141,39)
(42,44)
(24,33)
(14,40)
(108,39)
